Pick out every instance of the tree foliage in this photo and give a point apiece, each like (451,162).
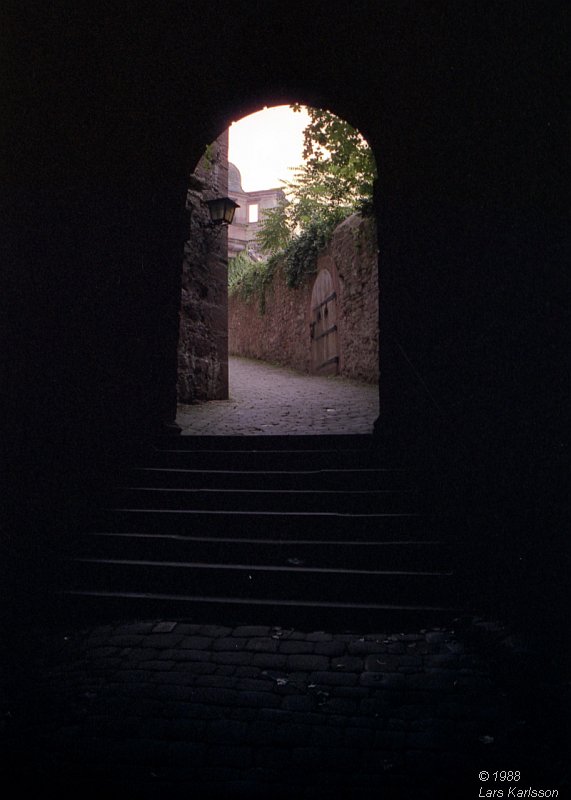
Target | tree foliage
(338,173)
(275,231)
(335,180)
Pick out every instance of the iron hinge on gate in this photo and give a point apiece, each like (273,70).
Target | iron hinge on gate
(332,329)
(332,296)
(334,360)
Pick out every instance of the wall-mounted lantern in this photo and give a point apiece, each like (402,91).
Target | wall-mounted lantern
(222,210)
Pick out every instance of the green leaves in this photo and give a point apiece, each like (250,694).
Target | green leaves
(300,256)
(275,232)
(336,178)
(335,181)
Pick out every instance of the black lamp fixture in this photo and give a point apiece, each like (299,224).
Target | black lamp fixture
(222,210)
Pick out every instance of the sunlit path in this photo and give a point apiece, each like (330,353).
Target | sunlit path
(267,399)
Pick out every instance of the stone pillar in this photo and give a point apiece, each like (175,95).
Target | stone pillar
(203,340)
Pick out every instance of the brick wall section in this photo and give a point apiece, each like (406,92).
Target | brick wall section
(353,250)
(281,334)
(203,333)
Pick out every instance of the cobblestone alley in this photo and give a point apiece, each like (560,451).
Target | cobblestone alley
(267,399)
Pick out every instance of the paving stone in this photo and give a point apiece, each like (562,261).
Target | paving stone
(257,684)
(133,676)
(197,667)
(374,706)
(225,643)
(125,640)
(103,652)
(226,669)
(215,631)
(339,705)
(174,692)
(258,699)
(242,713)
(437,637)
(262,645)
(279,715)
(188,629)
(444,680)
(364,647)
(214,695)
(221,681)
(331,648)
(192,710)
(146,654)
(441,660)
(196,642)
(296,647)
(164,627)
(160,666)
(347,664)
(319,636)
(246,631)
(269,660)
(327,678)
(185,678)
(311,663)
(298,702)
(132,628)
(185,655)
(380,680)
(239,658)
(354,692)
(160,640)
(382,663)
(247,672)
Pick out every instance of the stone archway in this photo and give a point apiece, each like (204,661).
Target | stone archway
(325,338)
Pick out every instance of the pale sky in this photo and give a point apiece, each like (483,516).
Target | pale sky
(263,146)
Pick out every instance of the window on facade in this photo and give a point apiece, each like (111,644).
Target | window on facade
(253,212)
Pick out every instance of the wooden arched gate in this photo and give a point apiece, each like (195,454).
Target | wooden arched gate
(323,325)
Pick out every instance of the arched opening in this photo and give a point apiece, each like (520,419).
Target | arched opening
(249,291)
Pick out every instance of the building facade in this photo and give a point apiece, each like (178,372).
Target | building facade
(250,213)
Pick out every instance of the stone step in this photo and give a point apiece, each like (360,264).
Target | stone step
(306,443)
(266,460)
(275,500)
(91,605)
(252,581)
(414,555)
(299,479)
(261,524)
(280,526)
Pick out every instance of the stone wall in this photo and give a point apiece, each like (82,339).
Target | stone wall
(278,330)
(203,335)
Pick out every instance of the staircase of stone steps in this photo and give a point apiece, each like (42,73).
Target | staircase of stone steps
(286,530)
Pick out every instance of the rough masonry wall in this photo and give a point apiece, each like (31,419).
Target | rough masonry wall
(281,334)
(203,335)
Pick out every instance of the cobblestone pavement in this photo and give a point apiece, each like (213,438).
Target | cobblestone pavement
(172,709)
(267,399)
